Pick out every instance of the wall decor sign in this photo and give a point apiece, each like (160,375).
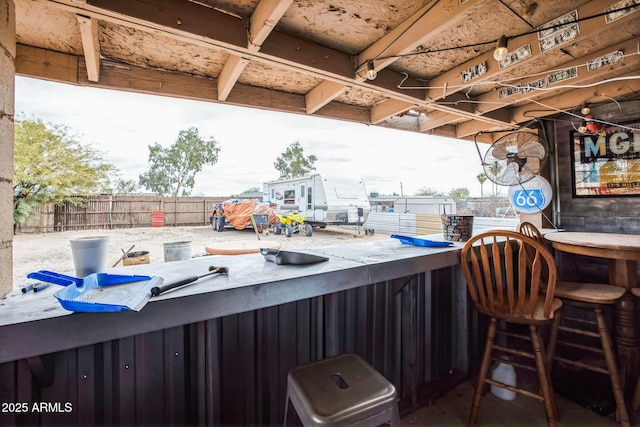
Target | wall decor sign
(606,163)
(605,60)
(558,31)
(619,10)
(473,72)
(523,52)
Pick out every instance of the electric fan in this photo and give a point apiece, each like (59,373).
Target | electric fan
(515,158)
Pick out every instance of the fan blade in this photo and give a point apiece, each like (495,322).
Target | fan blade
(499,153)
(532,149)
(510,174)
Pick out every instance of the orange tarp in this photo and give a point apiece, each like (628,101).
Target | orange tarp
(238,212)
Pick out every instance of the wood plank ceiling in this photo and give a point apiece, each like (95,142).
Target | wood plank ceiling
(436,73)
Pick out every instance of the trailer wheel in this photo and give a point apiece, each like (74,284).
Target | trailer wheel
(308,230)
(288,230)
(220,221)
(277,229)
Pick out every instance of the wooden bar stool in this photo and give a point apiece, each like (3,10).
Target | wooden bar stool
(635,403)
(342,390)
(592,297)
(503,270)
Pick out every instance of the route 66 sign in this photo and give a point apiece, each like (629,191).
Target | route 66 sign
(531,196)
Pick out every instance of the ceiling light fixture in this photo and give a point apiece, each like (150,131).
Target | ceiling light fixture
(585,109)
(371,71)
(501,49)
(583,127)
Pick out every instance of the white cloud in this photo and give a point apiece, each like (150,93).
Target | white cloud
(123,125)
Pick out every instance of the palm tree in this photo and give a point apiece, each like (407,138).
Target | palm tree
(482,178)
(495,170)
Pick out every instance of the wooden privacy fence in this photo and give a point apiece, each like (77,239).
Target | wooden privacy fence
(121,211)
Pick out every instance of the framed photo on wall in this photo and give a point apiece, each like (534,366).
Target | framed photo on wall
(605,162)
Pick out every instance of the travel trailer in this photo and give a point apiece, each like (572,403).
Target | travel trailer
(324,200)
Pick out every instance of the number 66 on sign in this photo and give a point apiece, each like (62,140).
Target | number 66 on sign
(531,196)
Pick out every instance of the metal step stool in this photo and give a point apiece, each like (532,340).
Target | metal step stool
(342,390)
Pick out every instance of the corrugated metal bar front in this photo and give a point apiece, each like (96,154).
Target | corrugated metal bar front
(233,370)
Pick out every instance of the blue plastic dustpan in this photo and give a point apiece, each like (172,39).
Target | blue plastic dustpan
(407,240)
(100,292)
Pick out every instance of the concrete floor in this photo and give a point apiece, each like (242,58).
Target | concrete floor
(453,410)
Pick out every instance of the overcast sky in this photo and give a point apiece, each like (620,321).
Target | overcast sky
(122,125)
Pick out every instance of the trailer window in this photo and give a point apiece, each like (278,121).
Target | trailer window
(309,199)
(290,197)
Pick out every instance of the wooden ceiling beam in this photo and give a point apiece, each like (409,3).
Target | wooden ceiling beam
(491,101)
(436,120)
(262,22)
(181,17)
(224,31)
(629,84)
(436,16)
(90,45)
(229,75)
(424,25)
(497,100)
(388,108)
(322,94)
(70,69)
(450,82)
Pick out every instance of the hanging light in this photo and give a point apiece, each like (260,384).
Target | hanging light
(585,109)
(501,49)
(583,126)
(371,71)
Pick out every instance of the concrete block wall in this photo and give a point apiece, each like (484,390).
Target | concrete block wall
(7,108)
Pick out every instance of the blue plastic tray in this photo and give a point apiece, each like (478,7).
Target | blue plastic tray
(100,292)
(420,242)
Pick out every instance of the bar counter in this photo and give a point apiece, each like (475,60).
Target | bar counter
(217,351)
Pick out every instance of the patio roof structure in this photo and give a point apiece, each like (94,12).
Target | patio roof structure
(420,66)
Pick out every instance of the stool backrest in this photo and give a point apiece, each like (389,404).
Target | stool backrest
(530,230)
(506,272)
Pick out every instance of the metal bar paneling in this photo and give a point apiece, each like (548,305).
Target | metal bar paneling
(232,370)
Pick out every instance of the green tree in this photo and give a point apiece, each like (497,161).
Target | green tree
(51,165)
(252,190)
(459,193)
(482,178)
(424,191)
(494,169)
(292,163)
(172,170)
(125,186)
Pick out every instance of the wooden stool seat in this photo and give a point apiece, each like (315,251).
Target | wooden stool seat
(342,390)
(590,296)
(593,293)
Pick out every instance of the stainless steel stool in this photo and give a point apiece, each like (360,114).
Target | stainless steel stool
(342,390)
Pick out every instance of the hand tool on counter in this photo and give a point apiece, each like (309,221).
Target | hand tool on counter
(99,292)
(157,290)
(289,257)
(124,255)
(28,286)
(40,287)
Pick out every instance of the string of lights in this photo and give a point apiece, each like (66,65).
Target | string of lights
(505,82)
(501,42)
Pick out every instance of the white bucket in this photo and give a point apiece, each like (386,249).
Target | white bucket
(89,254)
(177,251)
(506,374)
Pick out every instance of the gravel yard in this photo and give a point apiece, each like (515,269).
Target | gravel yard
(52,251)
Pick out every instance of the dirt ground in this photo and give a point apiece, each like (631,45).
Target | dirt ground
(52,251)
